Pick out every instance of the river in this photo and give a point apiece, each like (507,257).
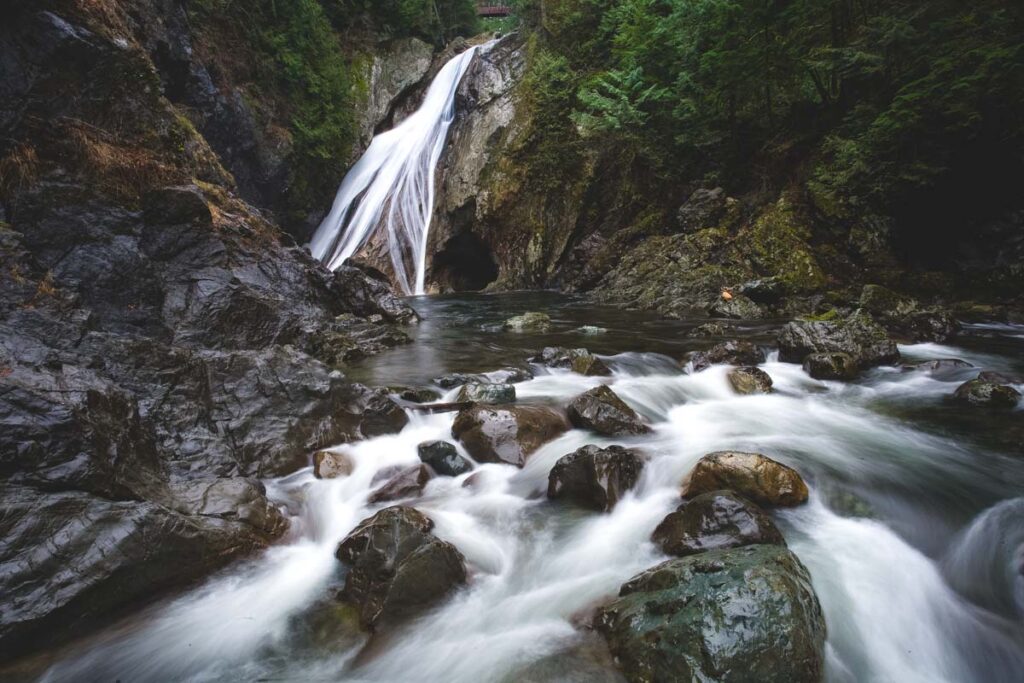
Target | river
(914,533)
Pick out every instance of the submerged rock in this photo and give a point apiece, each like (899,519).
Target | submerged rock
(591,329)
(407,483)
(838,366)
(397,567)
(530,321)
(594,477)
(443,458)
(750,380)
(601,410)
(506,434)
(580,361)
(331,464)
(978,392)
(486,393)
(713,521)
(858,335)
(752,475)
(729,353)
(736,615)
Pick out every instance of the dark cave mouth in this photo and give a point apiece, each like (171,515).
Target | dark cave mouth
(464,264)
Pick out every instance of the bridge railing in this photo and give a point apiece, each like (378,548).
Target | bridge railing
(492,8)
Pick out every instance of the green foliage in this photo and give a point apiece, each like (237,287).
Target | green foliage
(432,20)
(617,102)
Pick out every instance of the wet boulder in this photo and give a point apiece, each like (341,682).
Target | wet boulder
(837,366)
(509,375)
(906,317)
(580,361)
(978,392)
(443,458)
(601,410)
(397,567)
(594,477)
(381,415)
(713,329)
(857,335)
(714,521)
(417,394)
(728,353)
(750,380)
(455,379)
(486,393)
(332,464)
(734,615)
(506,434)
(752,475)
(531,321)
(408,482)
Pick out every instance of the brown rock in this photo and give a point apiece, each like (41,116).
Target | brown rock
(331,464)
(752,475)
(506,434)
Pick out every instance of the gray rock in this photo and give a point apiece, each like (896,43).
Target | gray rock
(978,392)
(750,380)
(858,335)
(580,361)
(443,458)
(600,410)
(530,321)
(408,482)
(595,478)
(486,393)
(837,365)
(507,434)
(730,352)
(715,521)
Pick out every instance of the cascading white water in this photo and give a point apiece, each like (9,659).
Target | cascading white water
(391,187)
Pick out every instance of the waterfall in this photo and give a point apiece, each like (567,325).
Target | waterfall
(392,186)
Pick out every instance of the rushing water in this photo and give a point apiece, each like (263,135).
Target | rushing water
(391,188)
(914,534)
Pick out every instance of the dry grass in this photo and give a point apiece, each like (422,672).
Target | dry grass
(123,171)
(19,170)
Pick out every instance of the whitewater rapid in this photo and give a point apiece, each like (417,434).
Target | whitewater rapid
(898,606)
(392,187)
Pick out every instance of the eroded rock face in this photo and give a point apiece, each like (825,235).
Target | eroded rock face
(601,410)
(715,521)
(729,353)
(594,477)
(978,392)
(743,614)
(837,365)
(397,567)
(507,434)
(752,475)
(858,335)
(750,380)
(443,458)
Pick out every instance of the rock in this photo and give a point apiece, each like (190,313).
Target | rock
(587,660)
(750,380)
(730,352)
(529,322)
(703,209)
(714,521)
(752,475)
(443,458)
(455,379)
(713,329)
(407,483)
(486,393)
(601,410)
(579,361)
(978,392)
(506,434)
(332,464)
(595,478)
(381,415)
(880,301)
(737,306)
(397,567)
(838,365)
(591,330)
(858,335)
(417,395)
(906,317)
(244,500)
(742,614)
(508,375)
(999,377)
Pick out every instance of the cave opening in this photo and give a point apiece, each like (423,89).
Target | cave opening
(464,264)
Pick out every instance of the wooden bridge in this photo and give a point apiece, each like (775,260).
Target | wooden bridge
(490,8)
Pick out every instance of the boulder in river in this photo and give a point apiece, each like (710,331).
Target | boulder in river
(836,365)
(443,458)
(580,361)
(730,353)
(906,317)
(857,335)
(332,464)
(978,392)
(750,380)
(531,321)
(406,483)
(601,410)
(741,614)
(506,434)
(381,415)
(752,475)
(594,477)
(397,567)
(713,521)
(486,393)
(713,329)
(417,394)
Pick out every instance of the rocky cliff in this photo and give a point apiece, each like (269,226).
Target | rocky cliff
(163,344)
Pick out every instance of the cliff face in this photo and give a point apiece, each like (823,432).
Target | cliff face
(162,343)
